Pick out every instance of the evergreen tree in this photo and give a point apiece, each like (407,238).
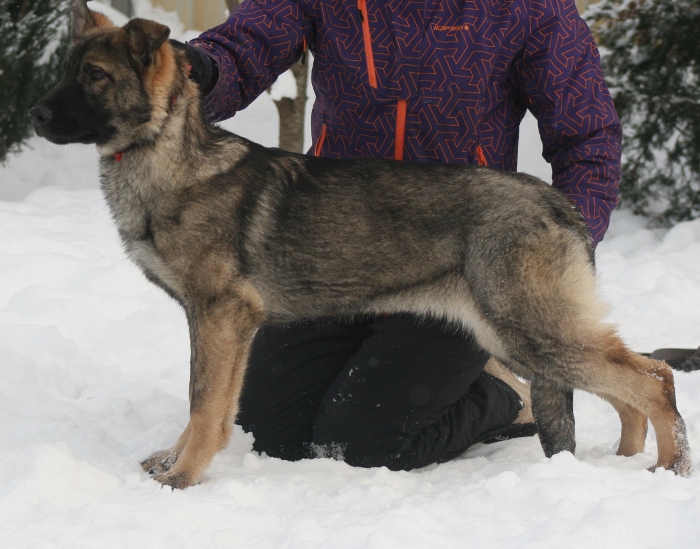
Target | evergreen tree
(33,42)
(651,61)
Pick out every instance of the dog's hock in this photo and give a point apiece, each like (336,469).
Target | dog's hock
(553,408)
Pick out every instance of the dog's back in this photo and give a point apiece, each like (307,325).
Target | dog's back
(330,235)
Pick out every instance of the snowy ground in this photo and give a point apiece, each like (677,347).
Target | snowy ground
(94,378)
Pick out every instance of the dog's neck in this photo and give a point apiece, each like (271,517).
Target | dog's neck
(182,151)
(119,155)
(175,150)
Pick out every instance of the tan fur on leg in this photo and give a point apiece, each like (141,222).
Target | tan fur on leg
(163,460)
(221,339)
(646,385)
(634,428)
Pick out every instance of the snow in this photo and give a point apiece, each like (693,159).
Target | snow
(284,86)
(94,376)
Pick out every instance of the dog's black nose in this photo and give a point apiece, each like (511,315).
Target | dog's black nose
(39,116)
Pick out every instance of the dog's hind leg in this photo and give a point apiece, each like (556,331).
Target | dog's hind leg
(646,385)
(554,415)
(634,427)
(553,408)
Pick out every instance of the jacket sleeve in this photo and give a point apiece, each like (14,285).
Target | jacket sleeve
(261,40)
(559,75)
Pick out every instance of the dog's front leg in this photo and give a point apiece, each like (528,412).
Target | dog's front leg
(221,333)
(553,409)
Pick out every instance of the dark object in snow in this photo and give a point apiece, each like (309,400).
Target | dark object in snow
(510,432)
(685,360)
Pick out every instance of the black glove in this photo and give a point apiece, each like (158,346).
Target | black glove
(685,360)
(203,70)
(689,363)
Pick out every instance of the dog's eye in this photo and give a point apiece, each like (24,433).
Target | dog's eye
(96,74)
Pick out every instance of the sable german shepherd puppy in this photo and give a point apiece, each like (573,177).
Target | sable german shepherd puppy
(239,234)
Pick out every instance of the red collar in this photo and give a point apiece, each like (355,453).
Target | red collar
(119,156)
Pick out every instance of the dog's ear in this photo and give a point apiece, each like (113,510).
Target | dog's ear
(145,37)
(86,20)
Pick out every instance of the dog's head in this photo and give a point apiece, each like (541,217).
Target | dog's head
(117,85)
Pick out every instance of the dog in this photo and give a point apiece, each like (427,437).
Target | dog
(239,234)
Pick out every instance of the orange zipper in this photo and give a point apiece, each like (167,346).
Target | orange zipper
(304,47)
(400,129)
(371,71)
(321,139)
(480,157)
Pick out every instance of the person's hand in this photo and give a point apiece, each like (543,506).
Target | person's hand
(202,68)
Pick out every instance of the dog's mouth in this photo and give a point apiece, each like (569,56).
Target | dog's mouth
(59,132)
(87,139)
(58,139)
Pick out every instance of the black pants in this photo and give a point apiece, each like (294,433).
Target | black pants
(393,391)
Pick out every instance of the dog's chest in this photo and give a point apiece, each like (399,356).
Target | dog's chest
(142,230)
(155,266)
(154,260)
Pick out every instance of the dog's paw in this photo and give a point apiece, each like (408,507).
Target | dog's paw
(159,462)
(177,480)
(682,466)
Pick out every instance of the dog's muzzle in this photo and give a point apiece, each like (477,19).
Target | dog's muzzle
(40,117)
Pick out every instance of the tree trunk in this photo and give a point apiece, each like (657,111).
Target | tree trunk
(292,113)
(232,5)
(123,6)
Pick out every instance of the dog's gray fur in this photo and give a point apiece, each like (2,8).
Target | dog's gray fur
(239,234)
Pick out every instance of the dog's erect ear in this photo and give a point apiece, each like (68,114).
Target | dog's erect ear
(85,20)
(145,37)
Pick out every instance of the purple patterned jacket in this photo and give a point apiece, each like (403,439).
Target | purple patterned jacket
(438,81)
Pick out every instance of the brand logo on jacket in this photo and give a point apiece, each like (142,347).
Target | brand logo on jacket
(441,28)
